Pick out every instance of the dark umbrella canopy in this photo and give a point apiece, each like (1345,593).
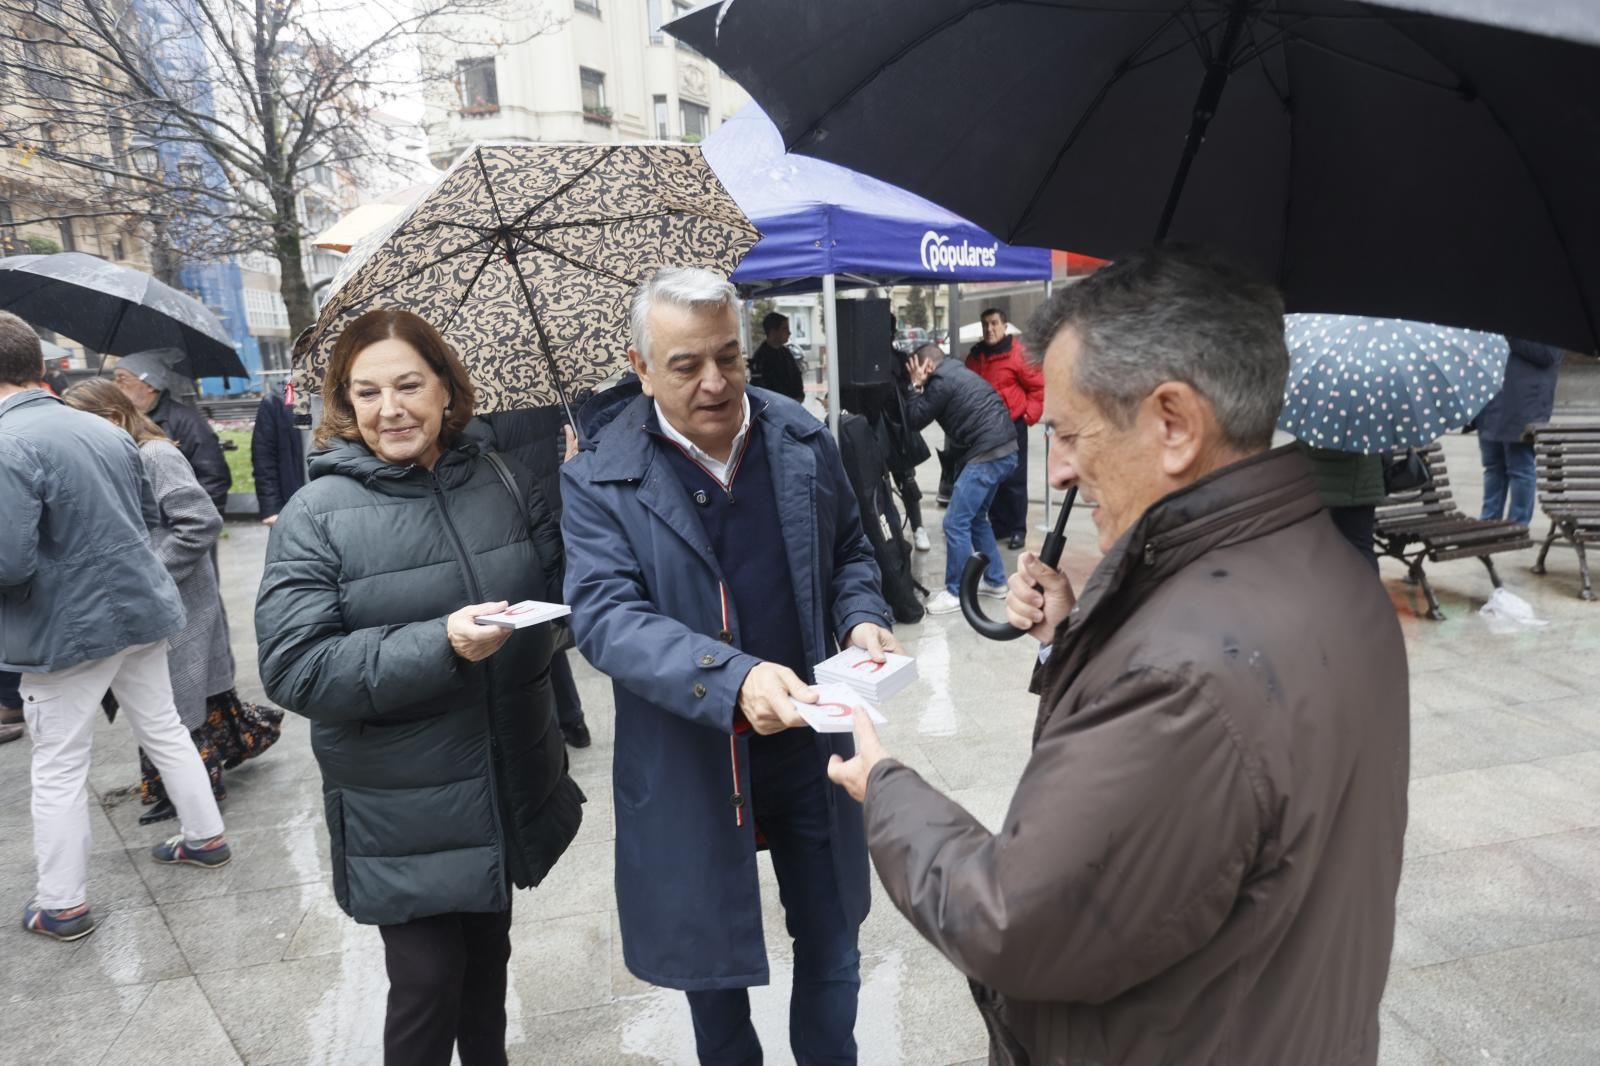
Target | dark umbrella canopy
(115,310)
(525,255)
(1369,159)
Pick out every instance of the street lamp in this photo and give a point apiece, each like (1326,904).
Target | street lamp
(146,158)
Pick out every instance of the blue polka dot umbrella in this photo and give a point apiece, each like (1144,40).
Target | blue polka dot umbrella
(1373,385)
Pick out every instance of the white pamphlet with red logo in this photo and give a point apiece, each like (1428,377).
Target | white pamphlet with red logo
(835,709)
(872,681)
(526,613)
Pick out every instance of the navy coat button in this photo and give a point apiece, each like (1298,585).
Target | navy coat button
(736,800)
(699,692)
(701,498)
(726,636)
(708,660)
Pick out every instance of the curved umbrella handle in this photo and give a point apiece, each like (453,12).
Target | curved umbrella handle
(977,562)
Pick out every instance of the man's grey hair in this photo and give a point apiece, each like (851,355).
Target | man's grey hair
(1176,313)
(21,354)
(930,352)
(696,288)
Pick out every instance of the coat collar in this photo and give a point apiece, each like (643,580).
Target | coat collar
(24,398)
(1240,502)
(1237,504)
(625,448)
(352,459)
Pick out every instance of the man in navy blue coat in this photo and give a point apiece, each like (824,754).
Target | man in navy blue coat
(714,556)
(277,454)
(1527,398)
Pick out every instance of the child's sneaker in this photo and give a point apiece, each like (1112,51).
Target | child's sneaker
(210,854)
(75,923)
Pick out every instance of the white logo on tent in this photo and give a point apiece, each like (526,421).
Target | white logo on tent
(938,253)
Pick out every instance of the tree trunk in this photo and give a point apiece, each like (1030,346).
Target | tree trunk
(292,276)
(163,259)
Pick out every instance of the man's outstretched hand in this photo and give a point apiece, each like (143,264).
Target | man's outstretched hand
(765,698)
(874,640)
(852,774)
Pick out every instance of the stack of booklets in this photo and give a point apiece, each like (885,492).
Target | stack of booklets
(835,709)
(874,682)
(526,613)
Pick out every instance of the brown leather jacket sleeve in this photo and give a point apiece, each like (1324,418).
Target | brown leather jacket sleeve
(1124,848)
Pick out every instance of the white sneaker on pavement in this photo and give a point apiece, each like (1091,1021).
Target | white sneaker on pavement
(995,592)
(919,540)
(942,602)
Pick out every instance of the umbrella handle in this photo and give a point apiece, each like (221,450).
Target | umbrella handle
(977,562)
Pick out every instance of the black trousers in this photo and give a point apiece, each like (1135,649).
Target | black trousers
(1008,514)
(911,496)
(447,988)
(1356,523)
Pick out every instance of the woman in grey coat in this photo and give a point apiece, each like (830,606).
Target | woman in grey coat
(225,730)
(443,769)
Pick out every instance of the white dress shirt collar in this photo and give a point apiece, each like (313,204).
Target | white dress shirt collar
(721,470)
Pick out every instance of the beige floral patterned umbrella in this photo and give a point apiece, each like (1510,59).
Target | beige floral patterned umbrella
(524,256)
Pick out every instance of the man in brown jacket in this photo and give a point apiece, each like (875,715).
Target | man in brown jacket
(1200,861)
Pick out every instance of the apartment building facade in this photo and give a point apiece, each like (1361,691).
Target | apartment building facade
(607,74)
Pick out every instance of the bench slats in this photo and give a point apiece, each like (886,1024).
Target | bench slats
(1568,463)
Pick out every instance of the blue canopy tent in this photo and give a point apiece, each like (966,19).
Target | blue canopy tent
(823,226)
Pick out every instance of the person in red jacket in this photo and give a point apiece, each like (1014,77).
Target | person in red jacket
(1002,361)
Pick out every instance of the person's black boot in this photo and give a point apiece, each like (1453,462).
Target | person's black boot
(576,733)
(1017,541)
(161,812)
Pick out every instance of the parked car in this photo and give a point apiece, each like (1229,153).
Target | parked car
(910,339)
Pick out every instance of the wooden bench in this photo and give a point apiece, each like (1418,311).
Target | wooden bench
(1569,490)
(1427,525)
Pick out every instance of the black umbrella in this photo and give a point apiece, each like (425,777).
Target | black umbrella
(115,310)
(1372,160)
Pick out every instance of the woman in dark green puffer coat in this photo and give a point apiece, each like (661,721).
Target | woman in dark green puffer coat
(1351,487)
(444,772)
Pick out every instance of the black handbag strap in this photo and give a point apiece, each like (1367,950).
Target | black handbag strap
(561,627)
(506,478)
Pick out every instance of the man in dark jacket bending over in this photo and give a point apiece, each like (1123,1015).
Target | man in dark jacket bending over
(974,417)
(1199,863)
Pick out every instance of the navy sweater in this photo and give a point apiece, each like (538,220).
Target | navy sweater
(741,523)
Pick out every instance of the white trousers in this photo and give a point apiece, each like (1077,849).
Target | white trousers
(61,710)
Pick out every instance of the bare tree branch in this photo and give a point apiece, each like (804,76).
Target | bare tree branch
(259,96)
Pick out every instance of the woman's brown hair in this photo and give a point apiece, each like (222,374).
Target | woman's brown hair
(339,417)
(98,396)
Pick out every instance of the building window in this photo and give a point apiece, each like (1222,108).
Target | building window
(476,86)
(42,78)
(592,85)
(119,141)
(663,130)
(587,7)
(681,8)
(8,230)
(695,120)
(69,240)
(117,251)
(653,9)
